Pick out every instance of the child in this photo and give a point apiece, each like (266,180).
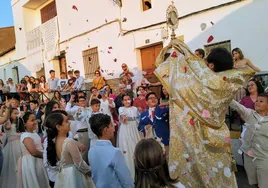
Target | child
(31,172)
(64,152)
(128,135)
(151,167)
(12,150)
(95,106)
(154,121)
(107,163)
(254,146)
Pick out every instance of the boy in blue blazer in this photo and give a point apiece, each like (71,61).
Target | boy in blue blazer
(155,118)
(107,163)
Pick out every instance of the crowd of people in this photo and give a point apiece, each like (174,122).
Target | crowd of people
(54,133)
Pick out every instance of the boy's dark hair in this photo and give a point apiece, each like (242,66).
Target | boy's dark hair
(201,52)
(98,122)
(148,95)
(76,71)
(264,95)
(95,101)
(62,73)
(34,101)
(70,72)
(51,71)
(221,58)
(82,97)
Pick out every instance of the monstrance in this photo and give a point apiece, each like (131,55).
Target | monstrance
(172,19)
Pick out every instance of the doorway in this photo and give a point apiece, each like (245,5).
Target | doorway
(148,57)
(62,63)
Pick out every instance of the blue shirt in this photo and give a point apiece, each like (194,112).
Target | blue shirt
(108,166)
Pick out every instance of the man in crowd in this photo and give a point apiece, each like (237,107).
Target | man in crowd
(52,84)
(80,81)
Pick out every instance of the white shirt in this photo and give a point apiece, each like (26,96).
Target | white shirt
(105,108)
(12,88)
(79,83)
(150,113)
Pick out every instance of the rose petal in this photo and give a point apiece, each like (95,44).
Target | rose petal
(250,153)
(109,52)
(110,47)
(185,69)
(174,54)
(212,23)
(20,28)
(192,121)
(115,60)
(124,19)
(205,114)
(75,8)
(210,39)
(227,139)
(224,78)
(106,21)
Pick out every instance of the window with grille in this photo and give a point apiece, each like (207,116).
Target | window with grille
(91,62)
(224,44)
(146,5)
(48,12)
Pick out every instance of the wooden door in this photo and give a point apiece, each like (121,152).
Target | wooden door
(148,57)
(63,67)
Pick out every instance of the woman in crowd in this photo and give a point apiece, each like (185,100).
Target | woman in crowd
(3,89)
(140,101)
(254,88)
(31,172)
(94,94)
(28,83)
(98,81)
(151,167)
(241,62)
(51,106)
(128,135)
(12,150)
(43,84)
(12,87)
(57,96)
(22,89)
(164,97)
(73,171)
(109,91)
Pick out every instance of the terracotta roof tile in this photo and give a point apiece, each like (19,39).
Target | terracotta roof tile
(7,39)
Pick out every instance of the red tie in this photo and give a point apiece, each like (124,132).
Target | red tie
(153,115)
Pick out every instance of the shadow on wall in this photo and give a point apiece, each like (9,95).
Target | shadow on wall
(246,27)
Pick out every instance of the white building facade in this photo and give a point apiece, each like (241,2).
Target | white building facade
(87,35)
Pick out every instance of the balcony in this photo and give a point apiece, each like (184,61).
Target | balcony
(34,4)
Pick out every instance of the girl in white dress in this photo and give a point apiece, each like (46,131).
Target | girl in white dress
(151,167)
(64,153)
(31,172)
(128,135)
(12,150)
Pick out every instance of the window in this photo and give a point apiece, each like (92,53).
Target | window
(146,5)
(118,2)
(91,62)
(48,12)
(224,44)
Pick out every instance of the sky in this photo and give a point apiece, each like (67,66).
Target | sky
(6,18)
